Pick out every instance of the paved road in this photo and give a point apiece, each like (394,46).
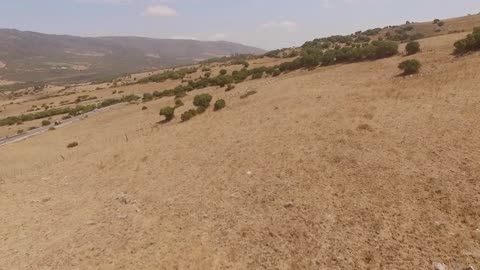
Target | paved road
(33,132)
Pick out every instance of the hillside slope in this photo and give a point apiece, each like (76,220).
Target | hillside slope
(343,167)
(30,56)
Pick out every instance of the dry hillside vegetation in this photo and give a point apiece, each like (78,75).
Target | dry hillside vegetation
(343,167)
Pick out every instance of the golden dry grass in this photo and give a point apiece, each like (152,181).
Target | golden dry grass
(344,167)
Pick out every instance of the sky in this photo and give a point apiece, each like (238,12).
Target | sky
(268,24)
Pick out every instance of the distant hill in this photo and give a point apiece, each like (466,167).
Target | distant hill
(30,56)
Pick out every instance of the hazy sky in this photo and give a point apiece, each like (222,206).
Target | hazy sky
(267,24)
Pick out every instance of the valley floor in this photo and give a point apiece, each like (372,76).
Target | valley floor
(344,167)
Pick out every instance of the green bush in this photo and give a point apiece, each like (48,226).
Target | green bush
(223,72)
(180,95)
(20,131)
(168,112)
(46,123)
(276,73)
(412,47)
(188,115)
(256,76)
(383,49)
(328,58)
(178,103)
(470,43)
(202,100)
(12,120)
(221,80)
(168,75)
(410,66)
(201,110)
(147,97)
(219,104)
(436,21)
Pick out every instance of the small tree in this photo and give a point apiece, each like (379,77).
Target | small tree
(219,104)
(412,47)
(188,115)
(202,100)
(436,21)
(178,103)
(410,66)
(147,97)
(168,112)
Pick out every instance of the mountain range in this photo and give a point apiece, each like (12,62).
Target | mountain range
(30,56)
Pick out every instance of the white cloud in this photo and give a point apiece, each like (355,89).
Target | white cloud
(160,11)
(288,26)
(218,36)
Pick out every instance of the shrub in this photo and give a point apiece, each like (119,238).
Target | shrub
(180,95)
(412,47)
(72,144)
(202,100)
(20,131)
(470,43)
(328,58)
(221,80)
(178,103)
(410,66)
(276,73)
(383,49)
(52,128)
(46,123)
(147,97)
(188,115)
(436,21)
(247,94)
(168,112)
(441,24)
(144,108)
(219,104)
(230,87)
(223,72)
(256,76)
(201,110)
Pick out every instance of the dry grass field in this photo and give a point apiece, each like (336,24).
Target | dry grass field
(343,167)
